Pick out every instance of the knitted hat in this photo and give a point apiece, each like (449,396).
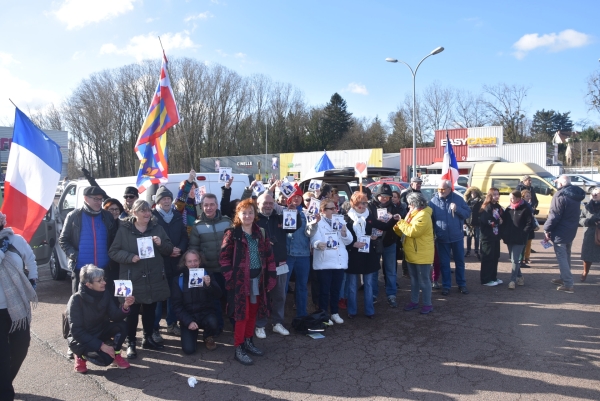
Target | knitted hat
(163,192)
(298,192)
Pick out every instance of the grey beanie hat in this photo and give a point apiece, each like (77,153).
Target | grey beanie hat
(163,192)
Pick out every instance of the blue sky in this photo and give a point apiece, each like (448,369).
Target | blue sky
(320,47)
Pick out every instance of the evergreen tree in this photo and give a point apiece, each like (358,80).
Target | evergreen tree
(544,124)
(336,122)
(563,122)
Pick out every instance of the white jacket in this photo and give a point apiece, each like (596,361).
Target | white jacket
(330,258)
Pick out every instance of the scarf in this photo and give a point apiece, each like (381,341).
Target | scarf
(516,205)
(360,224)
(328,221)
(17,288)
(167,216)
(86,208)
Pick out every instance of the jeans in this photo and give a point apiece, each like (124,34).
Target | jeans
(476,233)
(458,250)
(189,338)
(329,293)
(148,312)
(514,253)
(301,266)
(344,287)
(420,280)
(563,255)
(277,295)
(13,350)
(171,318)
(389,268)
(352,280)
(111,330)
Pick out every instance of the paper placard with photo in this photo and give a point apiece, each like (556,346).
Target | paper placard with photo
(145,247)
(199,193)
(313,207)
(337,222)
(290,218)
(310,218)
(383,215)
(315,185)
(360,170)
(259,187)
(123,288)
(287,189)
(367,240)
(224,174)
(332,240)
(196,278)
(376,232)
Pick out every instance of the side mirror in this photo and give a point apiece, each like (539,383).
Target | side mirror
(548,191)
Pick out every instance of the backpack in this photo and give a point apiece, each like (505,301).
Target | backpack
(313,323)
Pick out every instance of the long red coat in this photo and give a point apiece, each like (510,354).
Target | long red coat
(235,266)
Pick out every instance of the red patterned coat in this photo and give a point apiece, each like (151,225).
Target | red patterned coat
(235,266)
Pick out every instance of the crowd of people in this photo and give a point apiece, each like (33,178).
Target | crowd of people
(247,257)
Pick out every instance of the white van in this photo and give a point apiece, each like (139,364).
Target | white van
(72,198)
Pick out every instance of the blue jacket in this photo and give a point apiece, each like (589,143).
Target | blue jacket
(446,227)
(563,218)
(298,242)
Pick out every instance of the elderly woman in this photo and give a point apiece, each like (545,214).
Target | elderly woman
(248,265)
(147,274)
(330,259)
(16,294)
(474,199)
(360,221)
(95,317)
(590,217)
(416,231)
(195,305)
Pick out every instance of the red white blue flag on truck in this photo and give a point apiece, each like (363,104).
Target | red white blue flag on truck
(32,174)
(151,146)
(449,164)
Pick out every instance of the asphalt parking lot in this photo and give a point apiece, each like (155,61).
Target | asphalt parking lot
(532,343)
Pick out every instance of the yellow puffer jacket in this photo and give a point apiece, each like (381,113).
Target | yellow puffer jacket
(418,244)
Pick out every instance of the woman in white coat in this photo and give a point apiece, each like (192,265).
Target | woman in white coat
(330,258)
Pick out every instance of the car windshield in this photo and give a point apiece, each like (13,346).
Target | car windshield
(550,179)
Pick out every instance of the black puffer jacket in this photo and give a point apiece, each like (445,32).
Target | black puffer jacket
(177,232)
(191,304)
(277,235)
(88,315)
(563,218)
(389,236)
(517,224)
(488,221)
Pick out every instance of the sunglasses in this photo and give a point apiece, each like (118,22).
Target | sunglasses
(129,196)
(328,208)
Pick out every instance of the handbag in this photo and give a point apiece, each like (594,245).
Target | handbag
(597,236)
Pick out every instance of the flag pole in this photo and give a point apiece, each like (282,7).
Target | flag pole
(10,100)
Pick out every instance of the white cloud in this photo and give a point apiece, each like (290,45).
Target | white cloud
(476,21)
(148,46)
(77,56)
(79,13)
(240,55)
(205,15)
(7,59)
(353,87)
(149,20)
(566,39)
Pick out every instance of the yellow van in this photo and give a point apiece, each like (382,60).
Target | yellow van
(506,176)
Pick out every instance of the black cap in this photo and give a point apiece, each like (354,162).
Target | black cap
(131,191)
(385,190)
(92,191)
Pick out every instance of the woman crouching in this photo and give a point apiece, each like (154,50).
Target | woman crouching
(95,317)
(248,265)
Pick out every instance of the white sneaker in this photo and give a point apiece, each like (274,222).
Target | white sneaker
(330,323)
(336,318)
(278,328)
(260,332)
(491,284)
(499,281)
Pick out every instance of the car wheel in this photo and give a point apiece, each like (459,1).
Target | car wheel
(55,269)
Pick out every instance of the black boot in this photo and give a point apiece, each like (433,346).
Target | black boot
(251,348)
(149,343)
(131,352)
(242,357)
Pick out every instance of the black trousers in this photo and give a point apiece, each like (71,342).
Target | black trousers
(189,338)
(490,254)
(113,330)
(148,314)
(13,350)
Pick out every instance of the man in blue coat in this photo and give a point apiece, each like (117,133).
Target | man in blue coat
(449,213)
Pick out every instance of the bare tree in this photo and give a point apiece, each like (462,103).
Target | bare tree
(469,110)
(592,97)
(505,107)
(400,136)
(437,107)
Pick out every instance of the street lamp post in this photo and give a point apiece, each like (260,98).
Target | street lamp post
(414,74)
(592,161)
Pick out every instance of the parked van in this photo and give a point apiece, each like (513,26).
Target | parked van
(506,176)
(72,198)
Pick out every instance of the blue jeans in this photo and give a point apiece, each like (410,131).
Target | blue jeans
(563,255)
(352,282)
(476,234)
(171,318)
(420,280)
(301,265)
(458,251)
(514,252)
(389,266)
(329,294)
(344,287)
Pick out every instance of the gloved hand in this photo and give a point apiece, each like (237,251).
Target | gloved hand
(33,283)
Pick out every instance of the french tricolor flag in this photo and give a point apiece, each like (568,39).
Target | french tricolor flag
(449,164)
(32,174)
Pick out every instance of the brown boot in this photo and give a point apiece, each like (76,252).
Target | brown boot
(586,270)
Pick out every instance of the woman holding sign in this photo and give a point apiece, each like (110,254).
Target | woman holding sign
(147,275)
(330,259)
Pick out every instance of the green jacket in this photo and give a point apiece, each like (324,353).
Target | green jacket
(207,238)
(147,275)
